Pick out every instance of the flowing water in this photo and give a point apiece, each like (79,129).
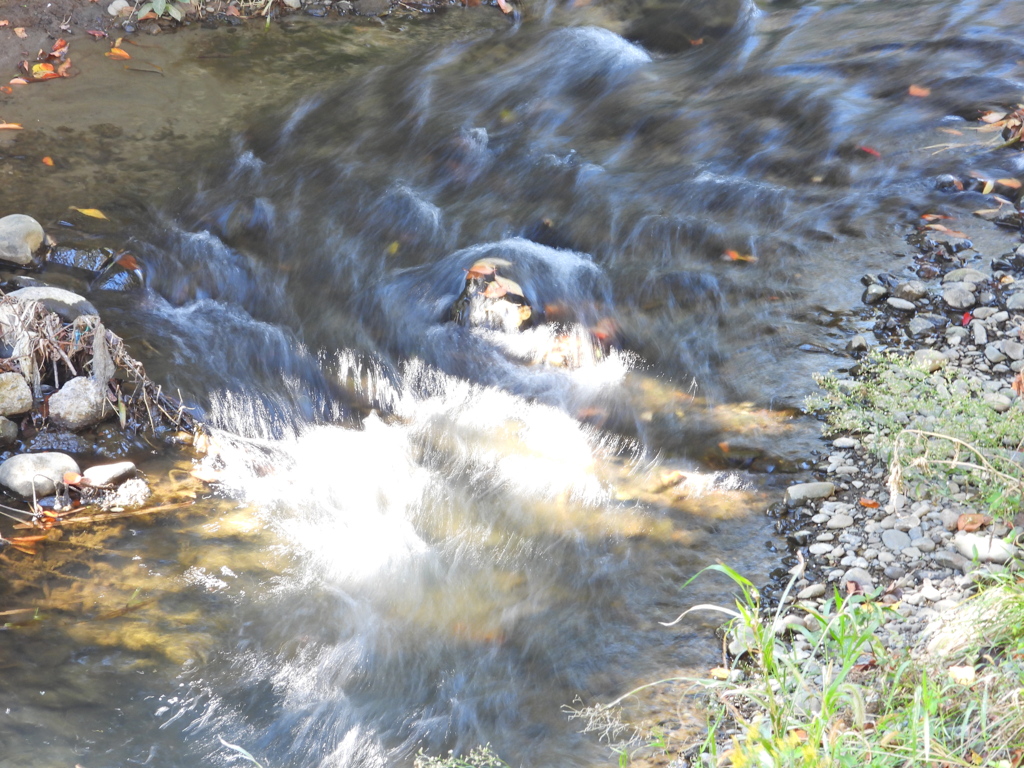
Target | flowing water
(428,536)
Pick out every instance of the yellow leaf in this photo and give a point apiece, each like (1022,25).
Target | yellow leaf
(989,186)
(392,248)
(94,213)
(117,53)
(964,675)
(719,673)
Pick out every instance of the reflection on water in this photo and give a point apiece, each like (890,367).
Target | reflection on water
(429,536)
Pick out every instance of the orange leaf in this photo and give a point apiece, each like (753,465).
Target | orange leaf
(19,81)
(59,48)
(6,89)
(97,33)
(117,53)
(870,150)
(10,126)
(992,117)
(72,478)
(1011,183)
(919,90)
(1018,384)
(20,32)
(505,7)
(698,41)
(972,522)
(48,161)
(869,503)
(231,10)
(934,216)
(723,446)
(4,22)
(62,70)
(951,131)
(495,290)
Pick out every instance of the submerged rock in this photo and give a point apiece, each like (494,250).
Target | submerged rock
(80,403)
(20,237)
(109,474)
(15,396)
(490,300)
(43,470)
(8,431)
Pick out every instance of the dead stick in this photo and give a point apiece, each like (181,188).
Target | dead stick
(129,513)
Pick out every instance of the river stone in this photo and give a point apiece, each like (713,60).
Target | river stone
(44,469)
(80,403)
(372,7)
(874,294)
(994,352)
(995,401)
(952,560)
(65,303)
(811,591)
(860,577)
(8,431)
(958,297)
(964,275)
(821,548)
(912,290)
(803,492)
(840,521)
(929,359)
(20,237)
(109,474)
(15,396)
(895,540)
(119,8)
(845,442)
(901,304)
(857,344)
(1016,301)
(1013,349)
(919,326)
(985,548)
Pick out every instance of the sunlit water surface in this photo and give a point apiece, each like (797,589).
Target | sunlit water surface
(431,537)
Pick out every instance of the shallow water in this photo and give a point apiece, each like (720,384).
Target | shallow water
(427,537)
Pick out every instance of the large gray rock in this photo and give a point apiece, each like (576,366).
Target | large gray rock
(65,303)
(983,547)
(1016,301)
(958,297)
(20,237)
(19,473)
(15,396)
(80,403)
(965,275)
(804,492)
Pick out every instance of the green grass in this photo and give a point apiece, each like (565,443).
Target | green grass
(935,430)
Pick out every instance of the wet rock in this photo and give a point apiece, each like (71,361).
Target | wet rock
(901,304)
(131,493)
(857,344)
(895,540)
(964,275)
(982,547)
(1015,302)
(491,300)
(912,290)
(15,396)
(109,474)
(43,470)
(65,303)
(925,323)
(958,298)
(80,403)
(874,294)
(59,440)
(372,7)
(804,492)
(20,237)
(8,431)
(929,359)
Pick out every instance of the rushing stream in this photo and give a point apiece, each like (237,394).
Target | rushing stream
(428,536)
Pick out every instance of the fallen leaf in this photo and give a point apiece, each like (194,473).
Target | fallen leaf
(19,81)
(698,41)
(919,91)
(48,161)
(4,22)
(737,256)
(480,269)
(869,503)
(20,32)
(989,186)
(723,446)
(951,131)
(10,127)
(934,216)
(870,150)
(1018,384)
(62,70)
(128,261)
(971,522)
(38,70)
(117,53)
(992,117)
(718,673)
(494,290)
(91,212)
(1011,183)
(60,48)
(505,7)
(72,478)
(944,228)
(966,319)
(6,89)
(231,10)
(96,33)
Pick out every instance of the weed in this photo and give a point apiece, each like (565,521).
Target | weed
(479,757)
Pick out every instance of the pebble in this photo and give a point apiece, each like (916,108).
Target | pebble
(820,548)
(997,402)
(803,492)
(860,577)
(965,275)
(901,304)
(20,237)
(895,540)
(906,522)
(840,521)
(875,293)
(8,431)
(929,359)
(923,544)
(958,298)
(912,290)
(812,591)
(1015,302)
(845,442)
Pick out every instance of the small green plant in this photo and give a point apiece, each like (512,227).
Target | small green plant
(935,430)
(479,757)
(160,7)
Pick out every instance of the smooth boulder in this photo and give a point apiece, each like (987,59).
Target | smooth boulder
(43,470)
(20,237)
(804,492)
(66,304)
